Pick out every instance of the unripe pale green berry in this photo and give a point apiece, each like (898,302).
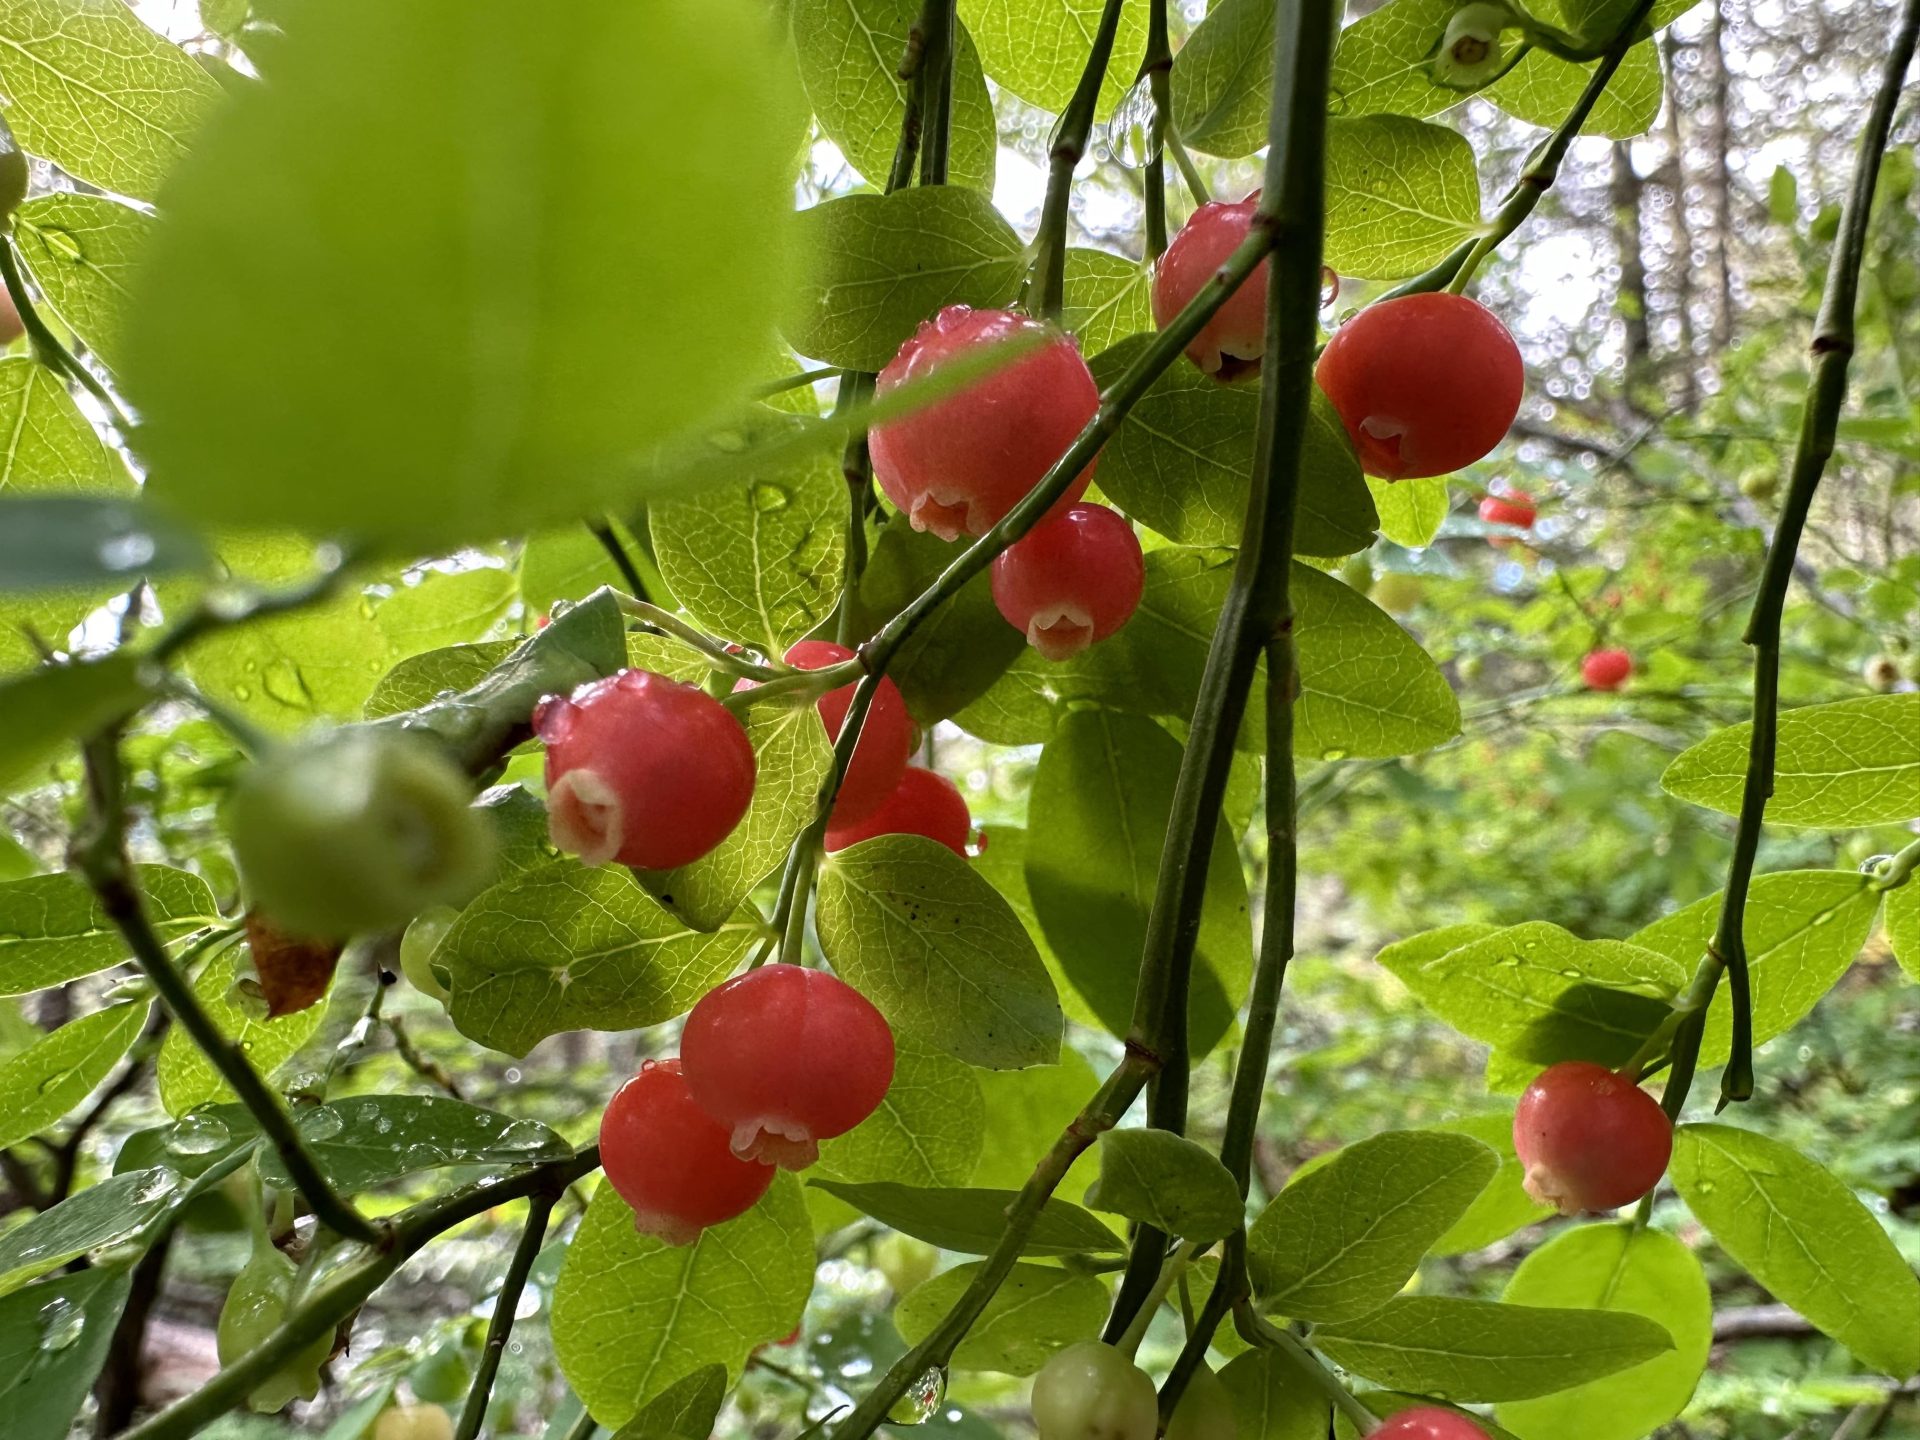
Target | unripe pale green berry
(413,1422)
(1396,592)
(423,937)
(1090,1391)
(1205,1411)
(255,1307)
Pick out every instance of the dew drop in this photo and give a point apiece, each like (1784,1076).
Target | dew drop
(322,1124)
(1130,131)
(1333,753)
(198,1135)
(127,552)
(162,1183)
(921,1399)
(1873,863)
(61,1323)
(768,498)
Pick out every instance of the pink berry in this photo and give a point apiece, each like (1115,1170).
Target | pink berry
(1515,508)
(886,738)
(787,1057)
(922,804)
(1590,1139)
(670,1160)
(1606,669)
(1071,581)
(1424,384)
(1231,343)
(958,466)
(1428,1422)
(644,770)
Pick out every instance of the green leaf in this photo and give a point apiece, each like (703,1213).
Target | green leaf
(102,1215)
(1542,88)
(565,947)
(373,1139)
(1027,1111)
(1102,795)
(51,446)
(564,564)
(52,1076)
(1341,1240)
(1854,762)
(92,89)
(1411,511)
(1400,195)
(1108,298)
(1638,1272)
(69,542)
(1003,862)
(1472,1350)
(1182,462)
(1366,686)
(709,1303)
(1223,79)
(420,679)
(850,52)
(1504,1206)
(1380,62)
(973,1221)
(878,265)
(1804,1236)
(1037,1310)
(514,346)
(52,929)
(1270,1403)
(906,922)
(758,563)
(929,1130)
(1404,959)
(53,1341)
(1803,930)
(1540,993)
(1166,1181)
(1903,926)
(1037,48)
(187,1078)
(685,1410)
(444,608)
(82,251)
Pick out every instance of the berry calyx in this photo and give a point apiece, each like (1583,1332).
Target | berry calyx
(1230,344)
(1205,1411)
(1606,669)
(959,465)
(644,770)
(923,803)
(786,1057)
(413,1422)
(670,1160)
(1428,1422)
(1071,581)
(1590,1139)
(1090,1391)
(886,736)
(1882,673)
(1470,53)
(355,832)
(1424,384)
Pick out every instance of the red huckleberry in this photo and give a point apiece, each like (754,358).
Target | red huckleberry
(1231,343)
(1072,580)
(886,737)
(1428,1422)
(786,1057)
(1606,669)
(671,1161)
(1425,383)
(922,804)
(1515,508)
(959,465)
(644,770)
(1590,1139)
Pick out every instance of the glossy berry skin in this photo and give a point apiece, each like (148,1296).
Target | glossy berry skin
(1606,669)
(1230,344)
(413,1422)
(355,832)
(1428,1422)
(786,1057)
(644,770)
(1590,1139)
(1515,508)
(1425,384)
(669,1159)
(957,466)
(422,938)
(1071,581)
(1205,1411)
(257,1306)
(1090,1391)
(922,804)
(886,737)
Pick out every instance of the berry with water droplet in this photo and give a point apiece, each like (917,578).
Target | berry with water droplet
(1090,1391)
(1071,581)
(1424,384)
(923,803)
(671,1161)
(1590,1139)
(1605,669)
(786,1057)
(959,465)
(643,769)
(1428,1422)
(1230,344)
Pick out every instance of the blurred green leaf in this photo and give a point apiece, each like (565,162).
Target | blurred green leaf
(685,1410)
(1504,1206)
(65,542)
(1270,1403)
(52,1076)
(1411,511)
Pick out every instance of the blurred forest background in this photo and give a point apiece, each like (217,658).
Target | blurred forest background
(1663,295)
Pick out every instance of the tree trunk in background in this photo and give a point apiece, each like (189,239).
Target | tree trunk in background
(1625,192)
(1673,178)
(1719,183)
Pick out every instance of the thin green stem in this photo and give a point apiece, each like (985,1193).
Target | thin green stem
(712,649)
(1257,1331)
(1895,872)
(505,1303)
(767,389)
(1176,1266)
(603,531)
(583,1427)
(1833,343)
(1156,68)
(1189,172)
(225,608)
(856,467)
(47,348)
(1046,285)
(936,86)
